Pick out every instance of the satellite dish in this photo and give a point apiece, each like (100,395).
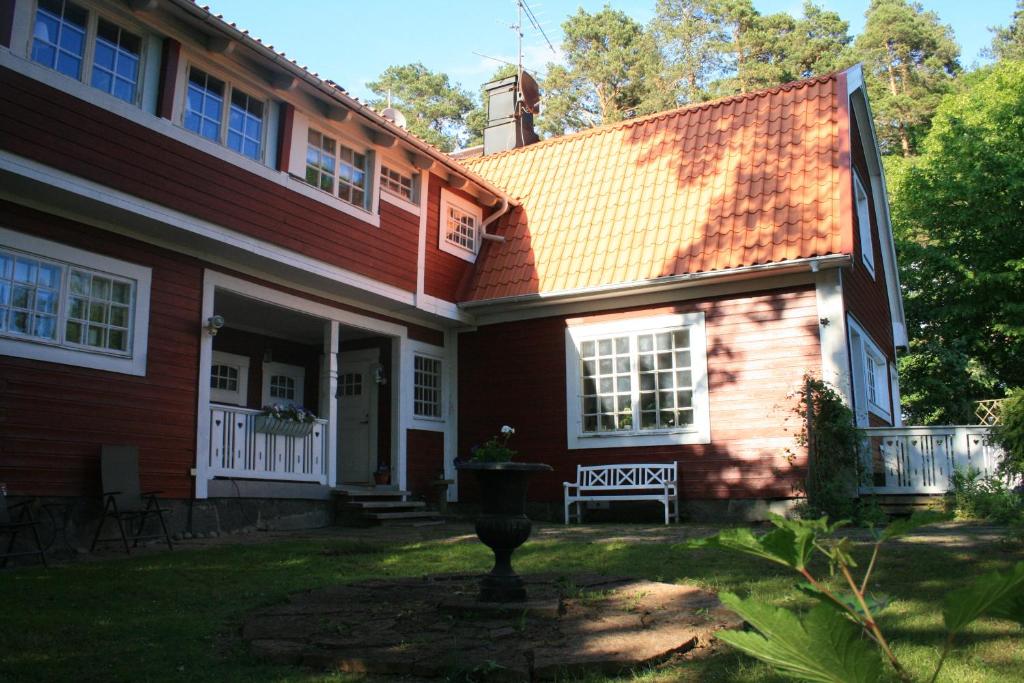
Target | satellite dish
(394,116)
(529,93)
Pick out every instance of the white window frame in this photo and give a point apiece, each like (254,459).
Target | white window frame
(387,192)
(131,363)
(230,84)
(867,243)
(91,28)
(440,386)
(870,367)
(450,199)
(295,372)
(371,172)
(239,397)
(697,433)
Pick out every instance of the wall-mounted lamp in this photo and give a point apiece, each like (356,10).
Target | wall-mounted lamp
(213,324)
(378,375)
(824,322)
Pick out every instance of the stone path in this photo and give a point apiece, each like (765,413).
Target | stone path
(433,627)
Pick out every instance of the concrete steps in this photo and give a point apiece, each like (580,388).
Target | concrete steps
(374,506)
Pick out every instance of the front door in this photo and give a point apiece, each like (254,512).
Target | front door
(357,415)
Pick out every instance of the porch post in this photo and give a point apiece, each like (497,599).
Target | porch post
(202,468)
(329,398)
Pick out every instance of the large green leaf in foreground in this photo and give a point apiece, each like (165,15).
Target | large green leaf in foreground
(995,594)
(825,647)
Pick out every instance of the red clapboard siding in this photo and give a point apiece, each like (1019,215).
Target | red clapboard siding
(56,129)
(54,418)
(443,272)
(759,347)
(424,461)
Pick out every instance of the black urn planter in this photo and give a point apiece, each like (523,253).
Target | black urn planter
(503,525)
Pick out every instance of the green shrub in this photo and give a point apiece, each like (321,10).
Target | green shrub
(1009,435)
(988,498)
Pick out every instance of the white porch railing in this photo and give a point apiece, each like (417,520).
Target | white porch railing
(923,459)
(238,450)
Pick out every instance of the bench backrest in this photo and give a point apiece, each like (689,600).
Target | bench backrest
(626,477)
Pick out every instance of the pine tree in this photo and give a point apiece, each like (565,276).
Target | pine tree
(910,60)
(1008,42)
(435,109)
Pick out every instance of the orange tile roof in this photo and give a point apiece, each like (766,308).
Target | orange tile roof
(747,180)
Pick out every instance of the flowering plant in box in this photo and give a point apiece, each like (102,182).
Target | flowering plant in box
(289,413)
(496,448)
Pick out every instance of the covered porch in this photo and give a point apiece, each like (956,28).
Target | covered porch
(338,373)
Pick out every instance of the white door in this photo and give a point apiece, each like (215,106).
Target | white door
(357,416)
(283,384)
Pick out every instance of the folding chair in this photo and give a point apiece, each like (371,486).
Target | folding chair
(124,502)
(13,525)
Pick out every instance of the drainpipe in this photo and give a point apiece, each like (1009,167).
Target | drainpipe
(502,210)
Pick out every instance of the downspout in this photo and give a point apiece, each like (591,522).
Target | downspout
(502,210)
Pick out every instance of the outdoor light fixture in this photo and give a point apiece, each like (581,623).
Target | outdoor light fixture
(213,324)
(378,375)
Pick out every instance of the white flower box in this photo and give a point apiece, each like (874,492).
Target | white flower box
(268,424)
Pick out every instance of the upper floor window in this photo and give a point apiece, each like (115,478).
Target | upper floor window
(207,114)
(71,306)
(642,381)
(67,39)
(460,222)
(867,246)
(397,183)
(337,169)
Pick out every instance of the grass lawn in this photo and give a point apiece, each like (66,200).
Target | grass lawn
(176,616)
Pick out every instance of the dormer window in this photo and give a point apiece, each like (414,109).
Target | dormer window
(61,35)
(460,226)
(238,126)
(337,169)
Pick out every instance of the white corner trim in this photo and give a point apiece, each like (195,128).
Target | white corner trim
(835,358)
(121,200)
(698,433)
(55,352)
(451,199)
(421,242)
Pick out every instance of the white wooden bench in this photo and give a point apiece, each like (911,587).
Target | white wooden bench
(657,481)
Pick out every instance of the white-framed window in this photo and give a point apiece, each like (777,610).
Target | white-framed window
(867,245)
(79,43)
(335,168)
(224,113)
(229,378)
(637,382)
(283,384)
(398,183)
(66,305)
(427,387)
(870,376)
(460,222)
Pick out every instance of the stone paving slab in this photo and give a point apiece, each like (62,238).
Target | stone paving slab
(433,626)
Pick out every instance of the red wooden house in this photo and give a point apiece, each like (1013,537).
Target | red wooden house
(192,226)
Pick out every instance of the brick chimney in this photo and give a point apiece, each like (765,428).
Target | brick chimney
(510,108)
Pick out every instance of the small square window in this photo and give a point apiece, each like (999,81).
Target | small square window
(460,226)
(397,183)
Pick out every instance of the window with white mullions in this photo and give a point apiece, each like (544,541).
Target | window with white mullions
(426,383)
(607,385)
(29,296)
(664,367)
(224,377)
(282,387)
(99,311)
(115,61)
(245,124)
(396,182)
(460,228)
(330,164)
(58,37)
(204,104)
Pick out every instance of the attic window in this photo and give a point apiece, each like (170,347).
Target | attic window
(460,226)
(867,246)
(397,183)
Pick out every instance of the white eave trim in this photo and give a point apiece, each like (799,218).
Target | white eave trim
(812,264)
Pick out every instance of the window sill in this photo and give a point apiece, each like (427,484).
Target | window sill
(676,437)
(299,185)
(400,202)
(464,254)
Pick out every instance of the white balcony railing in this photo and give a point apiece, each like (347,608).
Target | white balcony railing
(238,450)
(923,459)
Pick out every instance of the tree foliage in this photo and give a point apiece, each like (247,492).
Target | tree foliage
(957,218)
(910,59)
(612,71)
(434,107)
(1008,42)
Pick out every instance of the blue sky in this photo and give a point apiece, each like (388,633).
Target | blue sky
(353,42)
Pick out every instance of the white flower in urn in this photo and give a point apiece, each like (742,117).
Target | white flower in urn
(508,430)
